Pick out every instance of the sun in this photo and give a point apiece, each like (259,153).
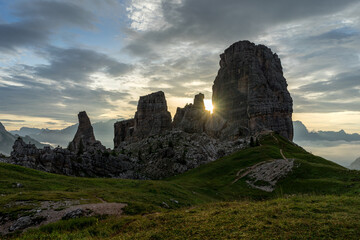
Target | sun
(208,105)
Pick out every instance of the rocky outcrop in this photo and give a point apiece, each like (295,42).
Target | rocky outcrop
(193,117)
(250,91)
(84,138)
(99,163)
(123,131)
(152,116)
(84,157)
(176,152)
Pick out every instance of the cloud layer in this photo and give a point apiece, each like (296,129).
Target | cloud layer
(60,57)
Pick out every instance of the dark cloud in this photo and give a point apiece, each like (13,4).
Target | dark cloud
(22,34)
(55,14)
(342,81)
(52,102)
(77,64)
(343,33)
(38,20)
(11,120)
(224,22)
(133,103)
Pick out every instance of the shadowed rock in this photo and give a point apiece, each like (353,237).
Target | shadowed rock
(85,134)
(2,128)
(251,91)
(152,116)
(123,130)
(193,117)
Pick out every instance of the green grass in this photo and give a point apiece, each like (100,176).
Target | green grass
(209,184)
(300,217)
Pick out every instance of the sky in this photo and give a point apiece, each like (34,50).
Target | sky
(61,57)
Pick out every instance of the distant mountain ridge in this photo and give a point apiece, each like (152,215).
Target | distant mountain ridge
(7,140)
(104,131)
(355,165)
(301,133)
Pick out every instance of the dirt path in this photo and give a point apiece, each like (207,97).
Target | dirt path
(54,211)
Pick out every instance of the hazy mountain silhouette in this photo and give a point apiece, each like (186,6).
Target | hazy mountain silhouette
(301,133)
(7,140)
(104,131)
(355,165)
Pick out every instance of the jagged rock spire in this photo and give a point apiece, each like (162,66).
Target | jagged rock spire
(85,134)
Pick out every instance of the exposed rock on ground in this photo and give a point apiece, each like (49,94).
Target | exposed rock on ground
(47,212)
(265,175)
(250,90)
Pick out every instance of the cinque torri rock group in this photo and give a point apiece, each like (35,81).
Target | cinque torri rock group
(250,98)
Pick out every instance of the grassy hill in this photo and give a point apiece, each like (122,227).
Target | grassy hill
(206,192)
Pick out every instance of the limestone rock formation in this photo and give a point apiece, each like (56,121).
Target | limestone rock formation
(152,116)
(97,163)
(84,137)
(123,130)
(193,117)
(250,91)
(250,96)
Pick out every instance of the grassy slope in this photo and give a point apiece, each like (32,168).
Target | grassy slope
(208,183)
(301,217)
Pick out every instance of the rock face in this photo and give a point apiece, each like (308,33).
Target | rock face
(152,116)
(251,92)
(193,117)
(123,131)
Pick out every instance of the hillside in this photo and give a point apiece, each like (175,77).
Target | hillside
(213,182)
(7,141)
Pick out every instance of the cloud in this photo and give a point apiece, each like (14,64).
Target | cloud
(55,14)
(224,22)
(38,20)
(11,120)
(57,104)
(76,65)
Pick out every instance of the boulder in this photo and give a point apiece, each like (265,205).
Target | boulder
(250,91)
